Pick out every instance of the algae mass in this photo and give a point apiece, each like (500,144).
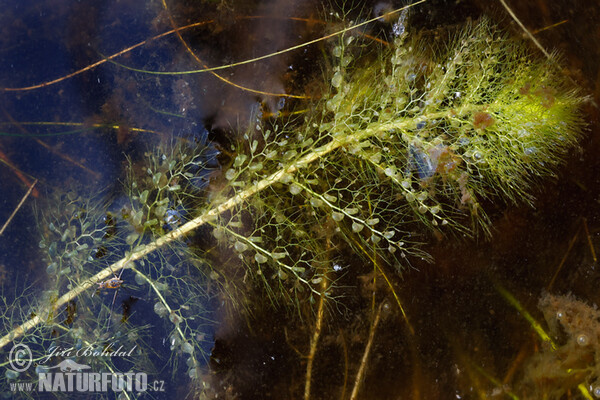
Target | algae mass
(410,137)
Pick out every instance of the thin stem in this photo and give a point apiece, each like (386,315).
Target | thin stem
(18,207)
(365,357)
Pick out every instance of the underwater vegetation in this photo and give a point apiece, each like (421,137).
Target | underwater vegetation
(574,359)
(409,139)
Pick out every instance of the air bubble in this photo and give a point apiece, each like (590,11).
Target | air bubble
(239,160)
(375,158)
(230,174)
(295,189)
(260,258)
(389,171)
(156,178)
(316,202)
(187,348)
(336,81)
(337,216)
(131,238)
(254,167)
(282,275)
(351,210)
(583,340)
(356,227)
(174,318)
(330,198)
(51,269)
(160,309)
(10,374)
(240,247)
(139,279)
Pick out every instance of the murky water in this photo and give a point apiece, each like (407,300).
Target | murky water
(97,98)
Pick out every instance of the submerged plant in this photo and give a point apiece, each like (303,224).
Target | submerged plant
(407,137)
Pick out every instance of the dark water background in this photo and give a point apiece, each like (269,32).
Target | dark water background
(458,315)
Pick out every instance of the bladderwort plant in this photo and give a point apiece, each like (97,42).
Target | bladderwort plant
(409,137)
(81,236)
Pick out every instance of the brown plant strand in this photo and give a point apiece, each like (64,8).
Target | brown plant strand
(18,207)
(365,357)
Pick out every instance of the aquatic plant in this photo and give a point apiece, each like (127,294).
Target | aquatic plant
(407,139)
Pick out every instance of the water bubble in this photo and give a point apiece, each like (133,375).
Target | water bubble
(144,197)
(316,202)
(239,160)
(131,238)
(230,174)
(336,81)
(260,258)
(356,227)
(372,221)
(282,275)
(187,348)
(51,269)
(240,247)
(295,189)
(10,374)
(337,216)
(139,279)
(330,198)
(583,340)
(254,167)
(156,178)
(160,309)
(174,318)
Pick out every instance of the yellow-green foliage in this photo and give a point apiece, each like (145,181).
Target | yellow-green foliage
(407,133)
(409,137)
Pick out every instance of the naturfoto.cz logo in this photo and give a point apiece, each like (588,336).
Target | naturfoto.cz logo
(71,376)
